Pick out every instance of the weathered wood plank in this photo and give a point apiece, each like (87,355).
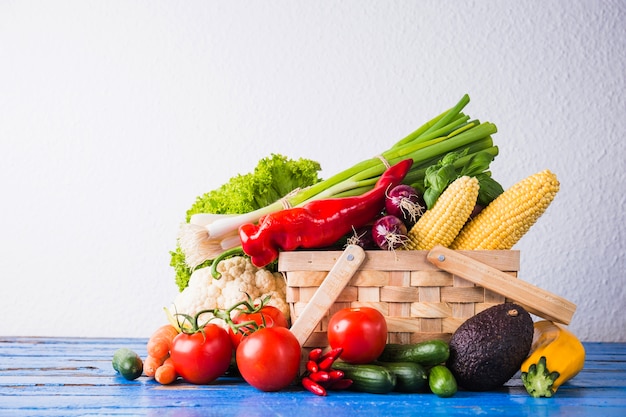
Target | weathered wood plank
(74,377)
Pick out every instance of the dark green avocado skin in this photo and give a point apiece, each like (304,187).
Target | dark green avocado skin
(489,348)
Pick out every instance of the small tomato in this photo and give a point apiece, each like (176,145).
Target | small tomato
(268,316)
(202,357)
(360,332)
(269,358)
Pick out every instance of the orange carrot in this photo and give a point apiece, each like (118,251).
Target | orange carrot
(166,373)
(150,365)
(160,342)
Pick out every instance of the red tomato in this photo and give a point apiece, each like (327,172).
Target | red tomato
(269,358)
(273,318)
(361,332)
(202,358)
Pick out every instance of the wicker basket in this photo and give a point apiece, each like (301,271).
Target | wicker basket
(419,301)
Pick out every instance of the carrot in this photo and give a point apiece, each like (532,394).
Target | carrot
(160,342)
(150,365)
(166,373)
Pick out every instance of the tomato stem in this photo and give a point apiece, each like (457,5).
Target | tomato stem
(248,306)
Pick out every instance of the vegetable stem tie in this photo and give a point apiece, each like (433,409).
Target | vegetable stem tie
(384,161)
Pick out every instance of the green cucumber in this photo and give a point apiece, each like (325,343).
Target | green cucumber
(127,363)
(442,382)
(429,353)
(410,376)
(370,378)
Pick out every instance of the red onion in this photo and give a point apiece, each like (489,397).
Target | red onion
(406,203)
(389,232)
(362,237)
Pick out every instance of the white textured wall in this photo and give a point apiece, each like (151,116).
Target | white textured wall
(115,115)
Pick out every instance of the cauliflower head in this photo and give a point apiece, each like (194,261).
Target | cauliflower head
(239,277)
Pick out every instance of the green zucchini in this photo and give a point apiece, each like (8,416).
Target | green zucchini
(410,376)
(370,378)
(429,353)
(127,363)
(442,382)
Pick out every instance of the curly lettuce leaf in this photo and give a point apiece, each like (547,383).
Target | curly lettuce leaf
(273,178)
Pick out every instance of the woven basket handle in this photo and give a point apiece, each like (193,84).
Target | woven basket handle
(534,299)
(327,293)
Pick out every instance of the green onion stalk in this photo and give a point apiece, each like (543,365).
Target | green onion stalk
(451,131)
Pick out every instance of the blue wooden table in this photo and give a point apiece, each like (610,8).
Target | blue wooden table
(74,377)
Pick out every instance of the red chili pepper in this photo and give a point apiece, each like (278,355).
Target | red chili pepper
(313,386)
(335,375)
(340,384)
(320,376)
(318,223)
(312,366)
(326,361)
(332,354)
(326,364)
(315,354)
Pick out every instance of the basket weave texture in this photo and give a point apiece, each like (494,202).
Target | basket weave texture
(419,301)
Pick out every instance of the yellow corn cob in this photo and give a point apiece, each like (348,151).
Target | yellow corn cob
(507,218)
(441,224)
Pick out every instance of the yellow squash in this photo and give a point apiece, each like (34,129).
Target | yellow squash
(556,356)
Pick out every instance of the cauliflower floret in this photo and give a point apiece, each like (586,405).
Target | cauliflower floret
(239,277)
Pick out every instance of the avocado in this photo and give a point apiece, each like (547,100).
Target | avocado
(489,348)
